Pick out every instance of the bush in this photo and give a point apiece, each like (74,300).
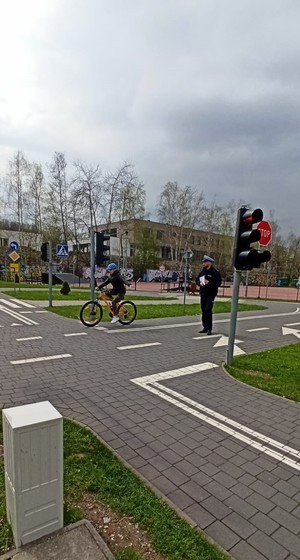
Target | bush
(65,289)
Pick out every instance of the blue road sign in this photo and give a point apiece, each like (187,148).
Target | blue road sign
(62,251)
(14,245)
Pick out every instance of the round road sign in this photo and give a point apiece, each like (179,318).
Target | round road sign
(265,232)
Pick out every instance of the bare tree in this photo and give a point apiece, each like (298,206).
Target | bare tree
(17,182)
(181,209)
(57,198)
(87,196)
(125,195)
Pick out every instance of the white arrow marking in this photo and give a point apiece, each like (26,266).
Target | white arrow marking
(224,342)
(295,332)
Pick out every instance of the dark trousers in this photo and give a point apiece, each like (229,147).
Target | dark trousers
(207,303)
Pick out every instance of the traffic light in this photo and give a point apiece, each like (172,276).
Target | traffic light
(45,252)
(102,248)
(244,257)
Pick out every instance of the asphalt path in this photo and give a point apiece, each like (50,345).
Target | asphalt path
(225,454)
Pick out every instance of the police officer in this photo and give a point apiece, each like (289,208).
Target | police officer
(209,280)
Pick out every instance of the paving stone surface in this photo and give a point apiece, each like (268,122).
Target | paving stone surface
(225,454)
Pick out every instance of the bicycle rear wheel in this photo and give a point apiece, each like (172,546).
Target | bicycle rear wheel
(127,312)
(91,313)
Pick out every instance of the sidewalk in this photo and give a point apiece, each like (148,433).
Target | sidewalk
(79,541)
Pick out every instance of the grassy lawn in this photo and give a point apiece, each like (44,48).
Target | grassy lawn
(91,469)
(74,295)
(158,311)
(276,371)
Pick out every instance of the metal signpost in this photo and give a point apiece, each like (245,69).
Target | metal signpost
(162,269)
(187,255)
(92,263)
(50,273)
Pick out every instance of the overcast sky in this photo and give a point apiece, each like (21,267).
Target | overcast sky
(205,92)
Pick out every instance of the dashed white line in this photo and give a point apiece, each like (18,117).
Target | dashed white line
(292,324)
(41,311)
(76,334)
(138,345)
(261,329)
(41,359)
(29,338)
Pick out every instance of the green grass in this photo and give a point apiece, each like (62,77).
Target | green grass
(74,295)
(276,371)
(89,467)
(4,284)
(158,311)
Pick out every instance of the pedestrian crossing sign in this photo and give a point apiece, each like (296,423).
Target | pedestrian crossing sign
(62,251)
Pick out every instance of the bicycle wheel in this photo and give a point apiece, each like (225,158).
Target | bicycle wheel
(91,313)
(127,312)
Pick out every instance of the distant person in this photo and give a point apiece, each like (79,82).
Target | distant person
(208,280)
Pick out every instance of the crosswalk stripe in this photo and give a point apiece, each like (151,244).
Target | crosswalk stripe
(10,303)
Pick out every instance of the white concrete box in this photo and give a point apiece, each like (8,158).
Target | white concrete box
(33,460)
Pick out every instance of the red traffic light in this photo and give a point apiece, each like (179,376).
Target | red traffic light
(244,256)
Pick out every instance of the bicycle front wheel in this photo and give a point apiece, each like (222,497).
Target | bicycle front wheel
(91,313)
(127,312)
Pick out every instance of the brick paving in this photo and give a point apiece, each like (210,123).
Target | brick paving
(242,497)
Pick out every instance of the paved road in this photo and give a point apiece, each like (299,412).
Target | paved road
(224,453)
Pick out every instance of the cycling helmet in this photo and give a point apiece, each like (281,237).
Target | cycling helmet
(111,266)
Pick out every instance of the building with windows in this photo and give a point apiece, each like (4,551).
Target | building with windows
(171,241)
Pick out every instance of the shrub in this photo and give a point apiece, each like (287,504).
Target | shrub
(65,289)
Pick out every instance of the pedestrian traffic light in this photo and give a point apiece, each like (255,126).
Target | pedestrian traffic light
(102,248)
(45,252)
(244,256)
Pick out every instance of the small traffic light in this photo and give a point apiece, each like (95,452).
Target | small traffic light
(102,248)
(45,252)
(244,257)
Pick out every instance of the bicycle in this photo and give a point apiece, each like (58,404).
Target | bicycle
(91,312)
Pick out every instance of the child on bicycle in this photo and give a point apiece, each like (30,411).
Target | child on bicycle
(118,288)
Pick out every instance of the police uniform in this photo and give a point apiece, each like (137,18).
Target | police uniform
(209,280)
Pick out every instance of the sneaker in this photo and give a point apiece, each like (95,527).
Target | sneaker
(114,319)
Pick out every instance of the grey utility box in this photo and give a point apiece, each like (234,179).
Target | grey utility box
(33,460)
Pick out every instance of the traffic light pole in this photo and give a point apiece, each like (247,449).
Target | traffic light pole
(233,315)
(92,263)
(50,274)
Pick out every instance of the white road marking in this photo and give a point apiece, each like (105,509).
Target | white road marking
(16,325)
(261,329)
(189,370)
(295,332)
(224,342)
(44,311)
(41,359)
(76,334)
(292,324)
(29,338)
(18,316)
(25,304)
(26,312)
(138,345)
(205,337)
(192,324)
(9,303)
(149,382)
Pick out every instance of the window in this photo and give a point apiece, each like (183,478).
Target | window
(159,235)
(3,242)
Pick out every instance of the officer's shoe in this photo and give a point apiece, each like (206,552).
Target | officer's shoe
(203,330)
(208,333)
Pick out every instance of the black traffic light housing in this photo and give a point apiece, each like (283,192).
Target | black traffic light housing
(244,257)
(102,248)
(45,252)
